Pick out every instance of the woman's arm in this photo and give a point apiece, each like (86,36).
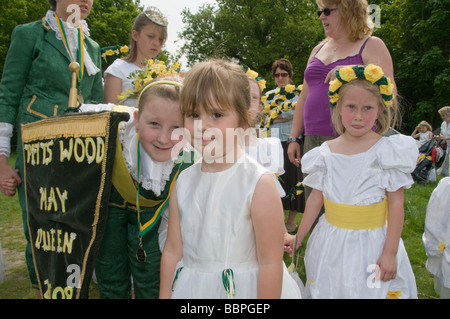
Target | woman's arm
(387,262)
(268,223)
(173,249)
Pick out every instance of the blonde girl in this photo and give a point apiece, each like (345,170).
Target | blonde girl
(356,251)
(225,236)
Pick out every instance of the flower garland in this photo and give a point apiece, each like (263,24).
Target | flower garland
(152,69)
(255,75)
(372,73)
(112,51)
(280,101)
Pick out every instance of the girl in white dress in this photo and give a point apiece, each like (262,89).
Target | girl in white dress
(355,250)
(225,235)
(147,38)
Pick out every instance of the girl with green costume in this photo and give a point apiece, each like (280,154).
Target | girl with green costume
(149,157)
(36,81)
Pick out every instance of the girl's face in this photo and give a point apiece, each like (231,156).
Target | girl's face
(423,128)
(149,41)
(155,124)
(359,110)
(208,131)
(281,77)
(65,11)
(255,102)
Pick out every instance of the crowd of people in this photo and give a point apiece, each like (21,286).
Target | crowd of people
(222,231)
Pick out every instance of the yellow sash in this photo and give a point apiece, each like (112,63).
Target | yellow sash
(356,216)
(122,181)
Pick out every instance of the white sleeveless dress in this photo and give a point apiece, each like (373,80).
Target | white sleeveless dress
(217,233)
(340,262)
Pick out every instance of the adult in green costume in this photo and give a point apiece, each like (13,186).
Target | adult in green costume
(36,81)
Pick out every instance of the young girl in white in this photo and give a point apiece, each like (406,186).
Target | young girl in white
(355,250)
(147,38)
(424,133)
(225,236)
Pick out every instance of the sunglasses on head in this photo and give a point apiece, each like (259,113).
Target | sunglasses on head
(283,75)
(326,11)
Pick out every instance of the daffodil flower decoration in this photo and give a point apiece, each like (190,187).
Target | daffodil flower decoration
(280,100)
(114,51)
(255,75)
(152,69)
(372,73)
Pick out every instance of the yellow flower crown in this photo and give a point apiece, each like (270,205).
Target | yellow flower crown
(372,73)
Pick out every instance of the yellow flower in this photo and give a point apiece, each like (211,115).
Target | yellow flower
(334,98)
(335,85)
(273,114)
(387,89)
(441,247)
(300,87)
(347,74)
(264,99)
(262,85)
(394,294)
(252,73)
(289,88)
(109,52)
(124,49)
(373,73)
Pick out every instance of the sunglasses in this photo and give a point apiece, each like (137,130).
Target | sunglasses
(283,75)
(326,11)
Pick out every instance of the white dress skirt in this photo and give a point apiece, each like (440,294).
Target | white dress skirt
(217,234)
(340,263)
(436,238)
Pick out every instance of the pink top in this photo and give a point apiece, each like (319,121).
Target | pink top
(317,113)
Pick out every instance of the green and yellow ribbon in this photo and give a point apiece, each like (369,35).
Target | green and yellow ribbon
(80,73)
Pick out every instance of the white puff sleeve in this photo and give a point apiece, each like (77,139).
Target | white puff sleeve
(397,159)
(313,164)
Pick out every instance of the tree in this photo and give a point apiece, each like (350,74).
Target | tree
(417,33)
(254,33)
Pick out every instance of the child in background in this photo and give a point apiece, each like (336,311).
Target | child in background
(436,238)
(147,162)
(225,236)
(355,250)
(424,132)
(147,38)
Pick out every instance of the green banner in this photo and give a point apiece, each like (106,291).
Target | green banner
(68,164)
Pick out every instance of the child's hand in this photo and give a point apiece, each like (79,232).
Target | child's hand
(388,267)
(289,241)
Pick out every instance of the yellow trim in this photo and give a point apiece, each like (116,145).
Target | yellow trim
(122,181)
(72,126)
(356,216)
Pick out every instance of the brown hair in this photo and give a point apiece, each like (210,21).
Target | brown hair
(219,81)
(283,64)
(389,117)
(139,23)
(355,15)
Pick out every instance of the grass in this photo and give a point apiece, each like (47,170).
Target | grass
(17,285)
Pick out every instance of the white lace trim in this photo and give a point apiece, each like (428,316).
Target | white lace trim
(153,175)
(72,39)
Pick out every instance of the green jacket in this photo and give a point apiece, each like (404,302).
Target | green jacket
(36,78)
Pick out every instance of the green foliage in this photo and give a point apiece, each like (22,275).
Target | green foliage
(254,33)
